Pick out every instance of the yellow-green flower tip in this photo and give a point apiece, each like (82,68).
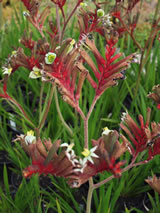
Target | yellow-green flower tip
(30,132)
(50,57)
(100,13)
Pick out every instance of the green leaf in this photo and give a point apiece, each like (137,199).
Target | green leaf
(58,207)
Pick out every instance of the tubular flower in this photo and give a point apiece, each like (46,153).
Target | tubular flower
(64,71)
(121,14)
(52,63)
(143,137)
(102,157)
(32,6)
(155,96)
(154,182)
(90,22)
(108,71)
(60,3)
(45,159)
(27,42)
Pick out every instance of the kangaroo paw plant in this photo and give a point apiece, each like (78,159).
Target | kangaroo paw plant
(67,65)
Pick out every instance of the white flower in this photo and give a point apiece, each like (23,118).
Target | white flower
(136,58)
(89,154)
(69,151)
(30,138)
(106,131)
(106,20)
(25,14)
(35,73)
(7,70)
(123,117)
(50,57)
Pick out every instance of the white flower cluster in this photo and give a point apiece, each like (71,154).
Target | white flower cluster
(106,20)
(123,117)
(81,163)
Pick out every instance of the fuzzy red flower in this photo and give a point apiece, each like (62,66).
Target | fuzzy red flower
(32,6)
(89,22)
(108,150)
(142,138)
(64,71)
(60,3)
(107,72)
(155,95)
(45,159)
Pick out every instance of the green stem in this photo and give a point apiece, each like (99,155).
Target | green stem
(70,16)
(60,114)
(89,196)
(40,99)
(86,133)
(47,107)
(1,16)
(86,122)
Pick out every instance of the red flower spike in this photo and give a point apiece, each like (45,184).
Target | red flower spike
(89,22)
(28,42)
(155,95)
(117,14)
(108,72)
(108,150)
(60,3)
(32,6)
(64,72)
(45,159)
(154,182)
(132,4)
(142,138)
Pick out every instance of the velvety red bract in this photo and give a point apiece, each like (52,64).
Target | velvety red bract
(117,14)
(88,23)
(155,95)
(108,151)
(32,6)
(60,3)
(38,167)
(108,71)
(32,62)
(142,137)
